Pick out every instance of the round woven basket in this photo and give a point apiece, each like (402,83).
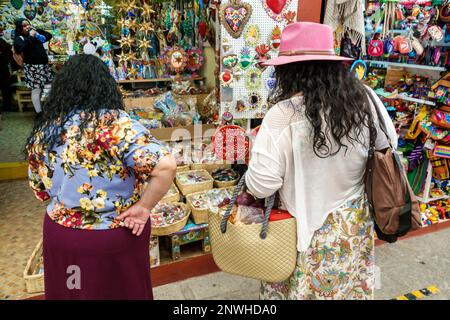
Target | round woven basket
(184,168)
(172,228)
(225,184)
(199,215)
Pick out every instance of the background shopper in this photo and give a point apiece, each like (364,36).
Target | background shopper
(38,72)
(313,148)
(5,75)
(102,173)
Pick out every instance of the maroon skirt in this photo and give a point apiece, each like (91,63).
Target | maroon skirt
(96,264)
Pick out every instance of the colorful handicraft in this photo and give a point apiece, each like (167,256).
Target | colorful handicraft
(191,178)
(225,175)
(166,213)
(234,16)
(276,9)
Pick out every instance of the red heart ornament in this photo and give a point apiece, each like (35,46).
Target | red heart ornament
(276,5)
(276,8)
(226,77)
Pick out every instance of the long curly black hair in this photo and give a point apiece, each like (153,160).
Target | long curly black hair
(335,102)
(83,84)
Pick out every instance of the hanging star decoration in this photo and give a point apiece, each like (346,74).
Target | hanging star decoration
(122,7)
(123,58)
(144,44)
(131,56)
(131,6)
(126,42)
(121,22)
(147,10)
(132,72)
(131,24)
(146,27)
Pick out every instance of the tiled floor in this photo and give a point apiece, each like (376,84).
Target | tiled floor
(16,127)
(21,217)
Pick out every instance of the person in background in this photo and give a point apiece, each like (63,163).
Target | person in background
(102,173)
(5,75)
(313,147)
(38,72)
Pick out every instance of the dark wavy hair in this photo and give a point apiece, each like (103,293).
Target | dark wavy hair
(335,102)
(83,84)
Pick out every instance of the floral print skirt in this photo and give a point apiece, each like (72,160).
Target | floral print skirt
(339,263)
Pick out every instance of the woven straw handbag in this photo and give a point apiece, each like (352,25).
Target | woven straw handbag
(266,251)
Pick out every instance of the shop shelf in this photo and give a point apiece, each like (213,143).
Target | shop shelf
(421,199)
(389,95)
(385,64)
(156,80)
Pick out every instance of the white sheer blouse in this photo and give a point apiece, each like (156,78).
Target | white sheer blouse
(310,187)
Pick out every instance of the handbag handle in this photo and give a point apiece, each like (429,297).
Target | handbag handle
(238,188)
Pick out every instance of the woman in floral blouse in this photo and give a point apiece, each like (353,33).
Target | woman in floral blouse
(102,173)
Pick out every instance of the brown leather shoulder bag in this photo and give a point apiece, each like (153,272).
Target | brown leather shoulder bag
(392,202)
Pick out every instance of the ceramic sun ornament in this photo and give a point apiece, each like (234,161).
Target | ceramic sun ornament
(276,8)
(234,15)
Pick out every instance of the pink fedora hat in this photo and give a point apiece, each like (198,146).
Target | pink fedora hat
(306,41)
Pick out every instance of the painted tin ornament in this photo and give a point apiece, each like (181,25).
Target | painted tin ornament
(253,79)
(227,117)
(226,78)
(271,82)
(230,60)
(241,106)
(262,55)
(17,4)
(252,36)
(289,17)
(227,94)
(30,12)
(275,38)
(245,61)
(226,45)
(255,100)
(40,10)
(276,8)
(234,16)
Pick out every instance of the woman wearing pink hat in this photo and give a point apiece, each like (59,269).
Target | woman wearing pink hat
(313,147)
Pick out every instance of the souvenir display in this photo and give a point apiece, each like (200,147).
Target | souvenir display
(194,181)
(251,33)
(225,178)
(167,218)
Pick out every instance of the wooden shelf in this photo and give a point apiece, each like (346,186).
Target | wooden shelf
(156,80)
(385,64)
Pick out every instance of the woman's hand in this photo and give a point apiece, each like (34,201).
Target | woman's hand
(135,218)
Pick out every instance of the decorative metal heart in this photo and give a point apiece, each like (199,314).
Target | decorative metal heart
(17,4)
(230,60)
(234,16)
(30,12)
(276,8)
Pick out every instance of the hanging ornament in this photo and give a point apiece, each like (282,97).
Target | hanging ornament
(195,59)
(147,10)
(17,4)
(126,42)
(262,55)
(30,12)
(123,58)
(289,16)
(234,16)
(245,61)
(271,82)
(230,60)
(146,27)
(359,68)
(238,74)
(227,94)
(226,78)
(131,56)
(276,8)
(255,100)
(240,106)
(176,59)
(253,79)
(275,38)
(87,4)
(40,10)
(225,45)
(144,44)
(252,35)
(30,2)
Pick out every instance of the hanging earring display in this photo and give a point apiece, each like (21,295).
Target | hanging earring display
(275,38)
(254,99)
(234,16)
(276,8)
(252,36)
(226,78)
(230,60)
(253,79)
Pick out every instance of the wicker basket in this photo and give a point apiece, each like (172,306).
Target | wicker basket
(200,215)
(172,228)
(186,189)
(174,197)
(184,168)
(210,167)
(34,282)
(225,184)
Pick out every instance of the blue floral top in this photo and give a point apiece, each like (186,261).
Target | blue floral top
(94,176)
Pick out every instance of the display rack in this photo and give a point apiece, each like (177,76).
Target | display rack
(385,64)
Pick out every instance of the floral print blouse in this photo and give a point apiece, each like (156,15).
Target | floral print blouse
(93,177)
